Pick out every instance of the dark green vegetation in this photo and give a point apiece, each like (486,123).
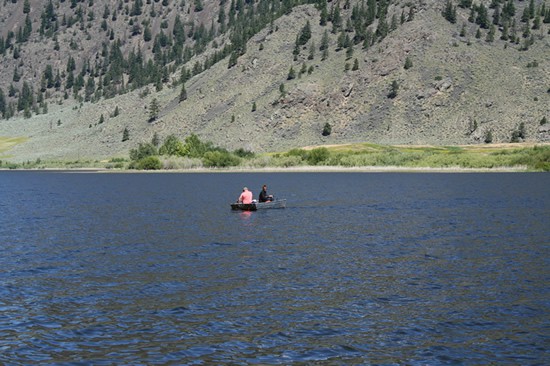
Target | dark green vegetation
(147,156)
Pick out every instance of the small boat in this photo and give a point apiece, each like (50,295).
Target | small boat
(254,206)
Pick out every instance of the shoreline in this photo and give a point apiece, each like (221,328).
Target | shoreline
(503,157)
(294,169)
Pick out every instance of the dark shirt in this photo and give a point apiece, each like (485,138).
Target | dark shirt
(263,196)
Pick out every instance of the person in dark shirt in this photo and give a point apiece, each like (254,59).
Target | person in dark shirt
(264,197)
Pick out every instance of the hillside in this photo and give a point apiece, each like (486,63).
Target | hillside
(459,85)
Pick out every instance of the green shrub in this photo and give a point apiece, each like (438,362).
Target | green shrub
(143,151)
(298,152)
(261,161)
(318,156)
(287,161)
(219,159)
(172,146)
(242,153)
(147,163)
(195,148)
(327,129)
(537,158)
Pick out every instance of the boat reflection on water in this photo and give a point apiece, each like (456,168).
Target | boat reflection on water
(245,214)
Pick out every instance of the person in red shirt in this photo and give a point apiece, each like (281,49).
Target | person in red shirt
(246,196)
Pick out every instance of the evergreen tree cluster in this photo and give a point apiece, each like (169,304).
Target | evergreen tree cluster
(360,25)
(502,15)
(116,68)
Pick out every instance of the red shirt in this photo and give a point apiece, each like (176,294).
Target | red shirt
(246,197)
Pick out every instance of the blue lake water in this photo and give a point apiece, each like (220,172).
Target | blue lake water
(360,268)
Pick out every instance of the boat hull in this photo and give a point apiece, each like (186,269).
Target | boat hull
(255,206)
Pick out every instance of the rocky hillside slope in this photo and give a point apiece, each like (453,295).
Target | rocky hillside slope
(428,81)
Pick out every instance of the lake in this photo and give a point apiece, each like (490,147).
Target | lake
(360,268)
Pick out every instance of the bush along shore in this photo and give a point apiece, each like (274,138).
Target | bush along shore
(194,154)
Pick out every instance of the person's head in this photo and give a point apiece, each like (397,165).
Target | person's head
(245,189)
(264,187)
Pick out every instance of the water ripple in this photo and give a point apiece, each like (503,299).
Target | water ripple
(358,269)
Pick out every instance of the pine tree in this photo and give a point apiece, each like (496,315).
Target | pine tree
(531,9)
(336,19)
(16,76)
(305,35)
(154,110)
(183,93)
(198,6)
(465,4)
(505,30)
(106,12)
(327,129)
(482,17)
(291,74)
(147,33)
(521,130)
(26,98)
(282,89)
(324,41)
(233,59)
(488,137)
(382,29)
(408,63)
(26,7)
(393,90)
(450,12)
(311,54)
(349,51)
(136,8)
(155,140)
(463,30)
(27,29)
(2,103)
(303,70)
(125,134)
(324,46)
(324,55)
(324,14)
(491,34)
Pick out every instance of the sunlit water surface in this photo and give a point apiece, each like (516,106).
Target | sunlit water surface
(360,268)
